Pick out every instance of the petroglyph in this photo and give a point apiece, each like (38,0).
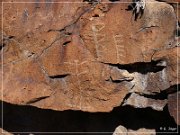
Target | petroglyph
(120,50)
(76,65)
(77,73)
(98,27)
(98,38)
(25,15)
(17,12)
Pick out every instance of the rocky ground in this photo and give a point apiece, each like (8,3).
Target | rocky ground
(84,66)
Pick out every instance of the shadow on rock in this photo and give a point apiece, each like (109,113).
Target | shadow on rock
(18,118)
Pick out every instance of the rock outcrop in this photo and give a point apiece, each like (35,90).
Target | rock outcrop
(120,130)
(4,132)
(90,56)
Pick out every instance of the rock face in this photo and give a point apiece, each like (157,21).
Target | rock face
(89,56)
(143,102)
(173,106)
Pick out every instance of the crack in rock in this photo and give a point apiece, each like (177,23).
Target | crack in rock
(34,100)
(59,76)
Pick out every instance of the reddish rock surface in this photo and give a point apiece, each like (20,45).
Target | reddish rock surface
(80,56)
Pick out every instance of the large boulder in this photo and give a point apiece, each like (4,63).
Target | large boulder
(88,57)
